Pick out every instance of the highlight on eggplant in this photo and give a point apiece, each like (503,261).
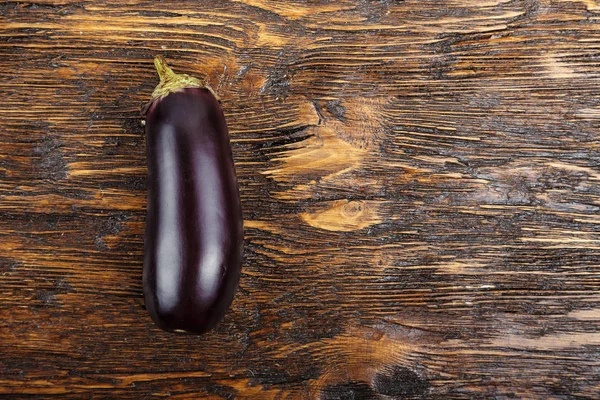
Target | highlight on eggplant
(193,242)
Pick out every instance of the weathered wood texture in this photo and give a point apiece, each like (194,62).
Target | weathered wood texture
(420,184)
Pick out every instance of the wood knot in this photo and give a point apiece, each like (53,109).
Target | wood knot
(344,215)
(353,209)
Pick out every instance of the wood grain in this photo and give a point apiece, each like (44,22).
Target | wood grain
(420,185)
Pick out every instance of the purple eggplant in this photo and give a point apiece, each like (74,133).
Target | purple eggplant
(193,243)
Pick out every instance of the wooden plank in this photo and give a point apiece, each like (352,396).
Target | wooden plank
(420,186)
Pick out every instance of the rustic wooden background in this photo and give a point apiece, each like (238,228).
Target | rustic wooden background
(420,183)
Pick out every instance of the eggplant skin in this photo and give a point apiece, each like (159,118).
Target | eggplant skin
(194,231)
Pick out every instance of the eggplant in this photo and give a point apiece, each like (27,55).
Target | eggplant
(194,236)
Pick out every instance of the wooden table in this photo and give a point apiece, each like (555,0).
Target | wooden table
(420,185)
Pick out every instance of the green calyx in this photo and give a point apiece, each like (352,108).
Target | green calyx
(172,82)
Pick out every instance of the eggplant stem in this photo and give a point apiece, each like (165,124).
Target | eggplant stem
(163,69)
(171,82)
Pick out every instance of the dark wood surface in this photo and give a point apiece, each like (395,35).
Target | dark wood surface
(420,184)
